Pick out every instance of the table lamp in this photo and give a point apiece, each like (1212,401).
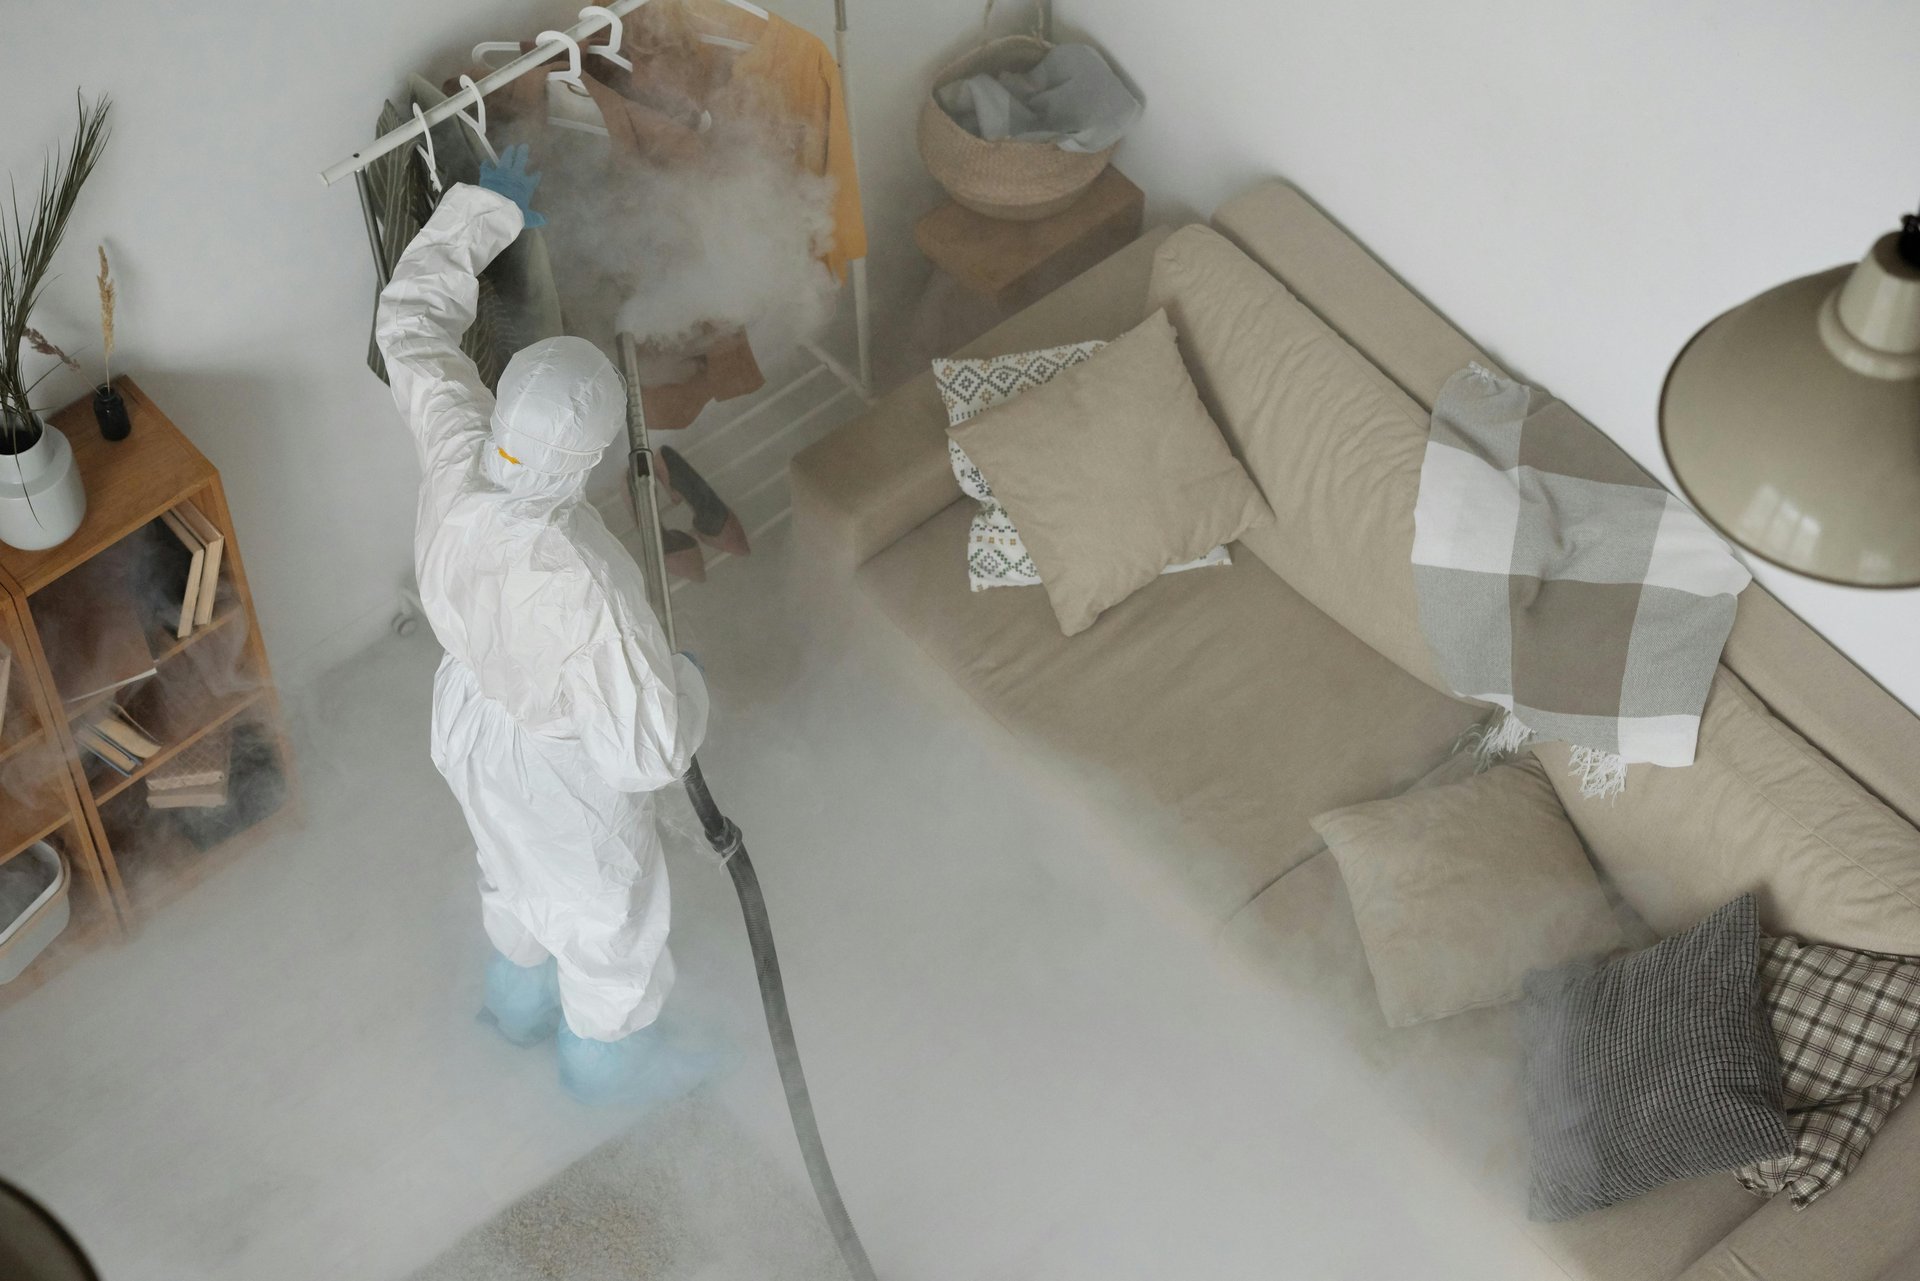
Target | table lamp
(1792,422)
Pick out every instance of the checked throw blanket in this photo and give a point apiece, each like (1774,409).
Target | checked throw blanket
(1559,581)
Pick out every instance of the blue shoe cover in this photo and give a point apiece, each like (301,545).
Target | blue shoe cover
(649,1067)
(523,1002)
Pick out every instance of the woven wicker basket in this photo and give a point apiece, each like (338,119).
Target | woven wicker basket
(1017,181)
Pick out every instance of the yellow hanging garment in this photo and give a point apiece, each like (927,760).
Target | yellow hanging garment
(789,69)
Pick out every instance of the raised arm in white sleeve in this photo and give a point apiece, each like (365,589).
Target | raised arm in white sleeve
(424,310)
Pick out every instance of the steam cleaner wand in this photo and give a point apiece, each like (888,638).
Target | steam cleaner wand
(724,835)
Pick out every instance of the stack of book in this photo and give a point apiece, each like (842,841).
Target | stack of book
(196,779)
(192,549)
(114,738)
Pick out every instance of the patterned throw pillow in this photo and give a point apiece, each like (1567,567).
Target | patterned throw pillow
(1848,1024)
(995,555)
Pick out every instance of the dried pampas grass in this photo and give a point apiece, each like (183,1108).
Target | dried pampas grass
(106,315)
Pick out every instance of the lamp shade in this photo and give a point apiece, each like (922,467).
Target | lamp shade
(33,1245)
(1792,422)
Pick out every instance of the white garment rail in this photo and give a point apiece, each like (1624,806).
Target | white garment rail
(593,19)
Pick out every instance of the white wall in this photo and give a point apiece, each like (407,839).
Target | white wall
(246,287)
(1577,186)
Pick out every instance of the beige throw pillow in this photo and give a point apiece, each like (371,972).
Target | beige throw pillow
(1461,889)
(1113,471)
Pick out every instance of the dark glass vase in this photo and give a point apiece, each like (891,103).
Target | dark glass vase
(110,411)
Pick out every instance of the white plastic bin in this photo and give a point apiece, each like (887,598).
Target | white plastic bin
(27,935)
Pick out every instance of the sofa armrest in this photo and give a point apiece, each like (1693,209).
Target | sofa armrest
(862,488)
(1853,1233)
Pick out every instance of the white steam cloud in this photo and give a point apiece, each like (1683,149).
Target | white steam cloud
(726,236)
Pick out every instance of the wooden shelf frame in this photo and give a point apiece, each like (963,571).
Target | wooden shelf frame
(106,787)
(171,649)
(57,814)
(20,835)
(129,485)
(15,744)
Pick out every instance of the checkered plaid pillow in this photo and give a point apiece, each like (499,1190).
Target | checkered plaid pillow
(995,555)
(1848,1024)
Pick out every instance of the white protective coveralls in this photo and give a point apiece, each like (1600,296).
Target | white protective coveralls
(558,707)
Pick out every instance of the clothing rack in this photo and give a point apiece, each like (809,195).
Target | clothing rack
(856,382)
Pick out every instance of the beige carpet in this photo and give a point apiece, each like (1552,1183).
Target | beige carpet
(660,1203)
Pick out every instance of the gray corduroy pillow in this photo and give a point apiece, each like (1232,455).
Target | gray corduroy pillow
(1655,1067)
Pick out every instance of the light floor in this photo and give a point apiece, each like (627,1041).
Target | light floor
(1024,1068)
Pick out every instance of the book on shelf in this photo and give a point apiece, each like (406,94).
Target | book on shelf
(216,546)
(205,797)
(104,749)
(91,625)
(203,765)
(257,788)
(125,733)
(117,739)
(182,562)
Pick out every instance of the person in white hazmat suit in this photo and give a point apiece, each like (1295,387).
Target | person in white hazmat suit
(558,707)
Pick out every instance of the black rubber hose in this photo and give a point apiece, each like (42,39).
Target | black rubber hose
(727,842)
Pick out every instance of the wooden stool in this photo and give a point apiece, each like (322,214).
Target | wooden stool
(987,268)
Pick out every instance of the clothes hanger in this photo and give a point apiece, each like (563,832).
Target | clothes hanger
(483,53)
(478,121)
(569,105)
(616,30)
(425,151)
(729,42)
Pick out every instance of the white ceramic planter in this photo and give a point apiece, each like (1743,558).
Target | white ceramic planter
(41,499)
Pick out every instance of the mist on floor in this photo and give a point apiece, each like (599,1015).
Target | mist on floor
(1023,1065)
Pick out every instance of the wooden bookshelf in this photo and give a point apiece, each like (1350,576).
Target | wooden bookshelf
(39,801)
(214,679)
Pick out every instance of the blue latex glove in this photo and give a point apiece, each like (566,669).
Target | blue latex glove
(511,179)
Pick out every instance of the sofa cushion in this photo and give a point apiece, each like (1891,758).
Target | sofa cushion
(1459,1081)
(1334,445)
(1223,695)
(1654,1067)
(1328,270)
(870,481)
(971,385)
(1112,471)
(1462,888)
(1803,678)
(1867,1228)
(996,557)
(1759,810)
(1848,1025)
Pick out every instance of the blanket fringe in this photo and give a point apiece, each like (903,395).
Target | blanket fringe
(1496,740)
(1601,774)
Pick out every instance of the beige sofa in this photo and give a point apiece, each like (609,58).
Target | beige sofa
(1244,708)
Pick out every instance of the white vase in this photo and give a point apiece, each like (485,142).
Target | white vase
(41,499)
